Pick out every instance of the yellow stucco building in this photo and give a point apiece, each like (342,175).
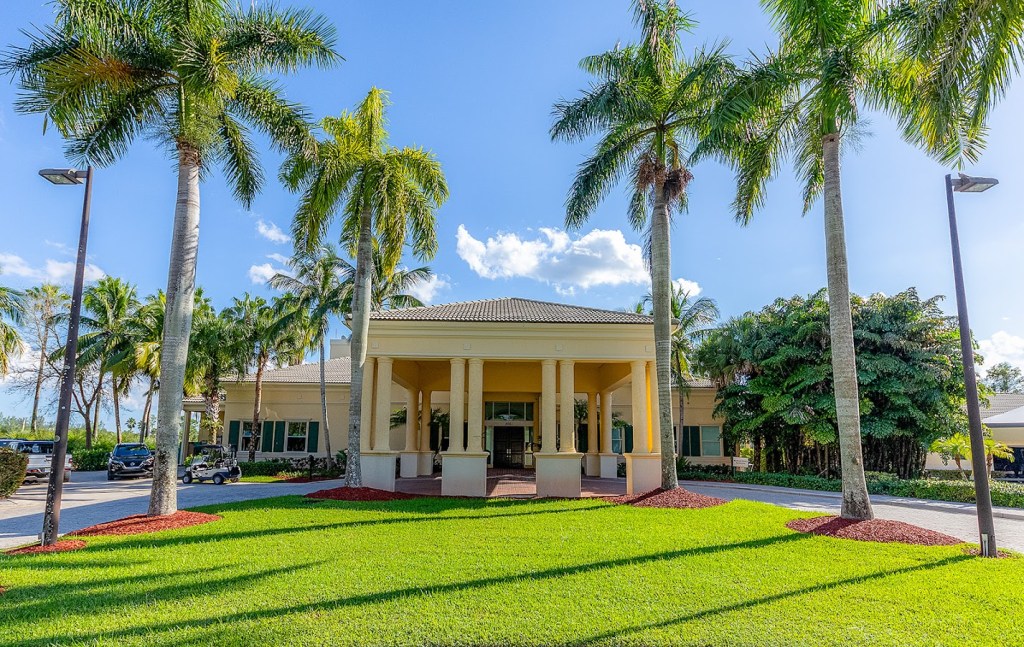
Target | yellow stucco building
(508,373)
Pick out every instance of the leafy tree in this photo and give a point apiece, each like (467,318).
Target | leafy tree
(649,104)
(194,76)
(1005,378)
(776,386)
(381,193)
(43,304)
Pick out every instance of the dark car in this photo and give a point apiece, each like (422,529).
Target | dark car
(129,459)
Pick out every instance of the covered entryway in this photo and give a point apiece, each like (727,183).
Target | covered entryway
(509,447)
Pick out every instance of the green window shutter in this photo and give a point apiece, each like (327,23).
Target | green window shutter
(629,439)
(233,427)
(279,436)
(268,436)
(313,439)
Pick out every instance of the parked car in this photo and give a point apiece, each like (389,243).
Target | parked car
(129,459)
(40,457)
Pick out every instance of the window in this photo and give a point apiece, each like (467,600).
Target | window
(710,440)
(247,436)
(616,440)
(296,441)
(508,411)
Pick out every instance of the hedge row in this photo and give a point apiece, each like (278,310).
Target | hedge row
(1004,494)
(12,471)
(90,460)
(299,466)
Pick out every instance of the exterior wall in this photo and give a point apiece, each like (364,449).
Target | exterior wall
(1010,436)
(698,410)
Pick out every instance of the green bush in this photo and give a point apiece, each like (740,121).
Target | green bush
(12,471)
(90,460)
(291,467)
(1004,494)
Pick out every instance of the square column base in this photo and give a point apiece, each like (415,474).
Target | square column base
(643,473)
(464,474)
(591,464)
(609,466)
(378,469)
(425,464)
(558,475)
(408,465)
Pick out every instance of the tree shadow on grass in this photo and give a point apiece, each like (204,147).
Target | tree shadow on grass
(768,599)
(423,590)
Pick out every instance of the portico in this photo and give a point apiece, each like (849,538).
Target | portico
(511,372)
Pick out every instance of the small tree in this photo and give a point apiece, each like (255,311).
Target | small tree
(1005,378)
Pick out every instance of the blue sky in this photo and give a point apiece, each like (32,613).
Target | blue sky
(474,82)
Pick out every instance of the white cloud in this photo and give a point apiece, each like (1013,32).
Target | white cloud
(60,247)
(26,360)
(1002,347)
(271,232)
(690,287)
(280,258)
(53,271)
(426,290)
(260,274)
(601,257)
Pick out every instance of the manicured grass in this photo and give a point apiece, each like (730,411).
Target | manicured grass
(263,479)
(287,571)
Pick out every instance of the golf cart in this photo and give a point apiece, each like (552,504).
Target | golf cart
(212,463)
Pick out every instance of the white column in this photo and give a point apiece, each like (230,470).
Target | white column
(548,421)
(412,418)
(567,403)
(424,445)
(382,413)
(652,384)
(592,446)
(366,408)
(457,405)
(606,422)
(475,406)
(638,375)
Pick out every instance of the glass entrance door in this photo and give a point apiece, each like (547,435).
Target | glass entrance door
(509,447)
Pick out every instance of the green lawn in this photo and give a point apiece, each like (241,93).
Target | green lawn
(432,571)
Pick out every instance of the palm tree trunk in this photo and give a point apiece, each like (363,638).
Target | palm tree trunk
(117,408)
(144,425)
(39,382)
(360,331)
(99,401)
(323,402)
(682,389)
(212,403)
(181,277)
(257,402)
(856,503)
(661,293)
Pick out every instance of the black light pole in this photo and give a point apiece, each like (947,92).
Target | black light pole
(979,469)
(51,517)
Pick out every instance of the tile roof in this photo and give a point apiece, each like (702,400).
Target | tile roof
(1011,418)
(336,371)
(511,310)
(999,403)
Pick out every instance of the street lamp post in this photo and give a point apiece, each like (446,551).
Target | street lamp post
(51,516)
(979,469)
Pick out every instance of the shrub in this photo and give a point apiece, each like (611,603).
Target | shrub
(90,460)
(292,466)
(12,471)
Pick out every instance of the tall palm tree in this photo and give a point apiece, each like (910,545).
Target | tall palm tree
(109,307)
(692,316)
(263,332)
(391,288)
(323,284)
(649,104)
(147,330)
(210,358)
(195,76)
(803,101)
(12,307)
(380,192)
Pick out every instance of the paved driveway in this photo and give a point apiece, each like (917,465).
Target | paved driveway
(956,519)
(90,499)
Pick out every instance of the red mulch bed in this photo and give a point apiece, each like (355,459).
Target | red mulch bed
(676,498)
(59,547)
(881,530)
(361,494)
(139,523)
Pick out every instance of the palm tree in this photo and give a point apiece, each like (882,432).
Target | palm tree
(263,333)
(210,358)
(693,316)
(381,192)
(195,77)
(649,105)
(110,306)
(835,58)
(147,330)
(391,288)
(322,283)
(12,307)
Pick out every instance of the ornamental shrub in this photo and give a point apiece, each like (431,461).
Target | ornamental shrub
(12,471)
(90,460)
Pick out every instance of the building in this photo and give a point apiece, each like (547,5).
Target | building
(508,373)
(1003,416)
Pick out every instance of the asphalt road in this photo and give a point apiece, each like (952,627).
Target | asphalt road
(90,499)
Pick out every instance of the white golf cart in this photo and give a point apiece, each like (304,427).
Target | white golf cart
(212,463)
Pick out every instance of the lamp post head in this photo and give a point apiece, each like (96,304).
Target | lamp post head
(969,184)
(63,175)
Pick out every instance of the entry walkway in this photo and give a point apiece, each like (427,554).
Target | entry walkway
(516,483)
